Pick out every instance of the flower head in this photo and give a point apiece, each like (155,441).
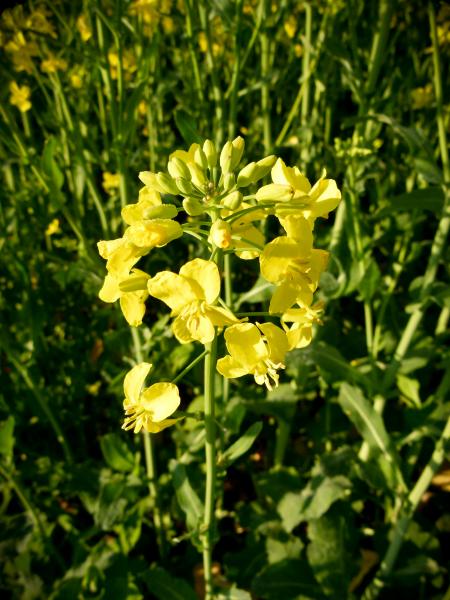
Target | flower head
(148,408)
(192,295)
(258,350)
(20,96)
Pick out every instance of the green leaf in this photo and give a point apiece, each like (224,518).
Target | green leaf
(187,127)
(328,553)
(187,497)
(428,170)
(313,501)
(370,425)
(7,437)
(110,505)
(50,166)
(331,360)
(260,292)
(116,452)
(410,390)
(234,594)
(370,283)
(430,198)
(286,580)
(241,446)
(165,586)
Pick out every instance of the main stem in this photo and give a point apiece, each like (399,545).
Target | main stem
(210,453)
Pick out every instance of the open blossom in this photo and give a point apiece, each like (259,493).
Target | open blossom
(192,295)
(293,265)
(148,408)
(131,291)
(299,334)
(258,350)
(20,96)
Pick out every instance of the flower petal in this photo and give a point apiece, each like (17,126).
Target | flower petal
(193,326)
(206,274)
(110,291)
(134,380)
(245,345)
(160,400)
(230,368)
(176,291)
(284,175)
(133,307)
(284,297)
(219,316)
(276,340)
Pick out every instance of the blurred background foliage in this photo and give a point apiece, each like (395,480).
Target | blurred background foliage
(94,92)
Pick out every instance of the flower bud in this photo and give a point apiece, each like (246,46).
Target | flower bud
(246,175)
(226,158)
(149,179)
(211,153)
(200,159)
(193,207)
(163,211)
(238,145)
(220,234)
(276,192)
(229,181)
(166,184)
(178,168)
(197,175)
(233,200)
(185,187)
(265,165)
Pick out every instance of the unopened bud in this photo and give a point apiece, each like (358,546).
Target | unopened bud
(185,187)
(265,165)
(220,234)
(226,158)
(275,191)
(233,200)
(193,207)
(163,211)
(200,159)
(246,175)
(211,153)
(178,168)
(149,179)
(166,184)
(229,181)
(237,152)
(197,175)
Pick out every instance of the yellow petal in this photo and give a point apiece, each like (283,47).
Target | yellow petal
(193,326)
(153,233)
(157,427)
(284,297)
(133,307)
(160,400)
(326,197)
(134,380)
(230,368)
(176,291)
(219,316)
(277,341)
(110,291)
(148,199)
(107,247)
(206,274)
(253,235)
(281,174)
(298,228)
(283,255)
(245,345)
(121,260)
(299,336)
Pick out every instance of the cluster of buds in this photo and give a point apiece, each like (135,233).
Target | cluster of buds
(202,182)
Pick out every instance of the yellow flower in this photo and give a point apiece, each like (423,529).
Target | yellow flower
(291,263)
(129,65)
(191,295)
(245,237)
(422,96)
(84,28)
(258,350)
(148,408)
(53,228)
(20,96)
(38,22)
(111,182)
(77,76)
(131,290)
(290,26)
(294,194)
(22,52)
(300,333)
(52,64)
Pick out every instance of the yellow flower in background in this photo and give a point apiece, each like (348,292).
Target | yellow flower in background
(38,22)
(22,52)
(132,293)
(84,28)
(290,26)
(422,96)
(53,228)
(257,350)
(291,263)
(191,296)
(148,408)
(53,63)
(111,182)
(77,77)
(129,65)
(20,96)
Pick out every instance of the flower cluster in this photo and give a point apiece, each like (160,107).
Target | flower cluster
(211,189)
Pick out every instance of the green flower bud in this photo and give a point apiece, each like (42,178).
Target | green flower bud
(193,207)
(149,179)
(265,165)
(178,168)
(238,145)
(229,181)
(226,158)
(211,154)
(220,234)
(162,211)
(185,187)
(246,175)
(197,175)
(233,200)
(166,184)
(276,192)
(200,159)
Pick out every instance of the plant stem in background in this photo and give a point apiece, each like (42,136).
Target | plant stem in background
(233,92)
(210,453)
(264,7)
(192,52)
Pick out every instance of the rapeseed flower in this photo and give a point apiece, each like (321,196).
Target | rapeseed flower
(258,350)
(299,334)
(148,408)
(84,28)
(131,291)
(110,182)
(192,295)
(20,96)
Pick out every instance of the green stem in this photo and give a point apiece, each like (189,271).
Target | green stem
(192,52)
(210,453)
(406,515)
(306,59)
(236,73)
(265,78)
(281,441)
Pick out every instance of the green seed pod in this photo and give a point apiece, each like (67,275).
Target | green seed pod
(178,168)
(167,184)
(276,192)
(246,175)
(226,158)
(238,145)
(200,159)
(193,207)
(233,200)
(211,154)
(185,187)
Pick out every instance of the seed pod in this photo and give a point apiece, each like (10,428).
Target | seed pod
(178,168)
(166,184)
